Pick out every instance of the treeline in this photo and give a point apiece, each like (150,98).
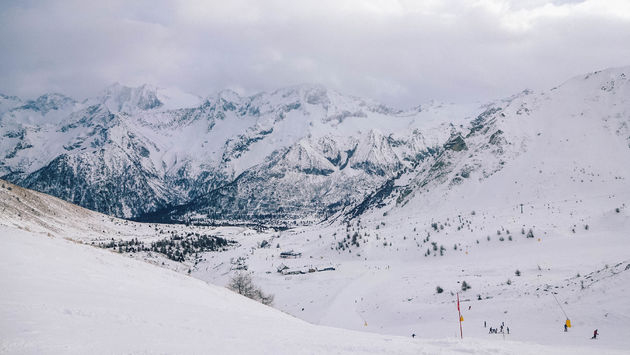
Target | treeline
(176,248)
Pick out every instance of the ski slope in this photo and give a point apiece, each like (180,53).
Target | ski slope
(392,290)
(63,297)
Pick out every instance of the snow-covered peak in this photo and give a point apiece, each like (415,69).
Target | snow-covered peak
(8,102)
(604,80)
(311,93)
(228,95)
(120,98)
(8,97)
(47,109)
(174,98)
(48,102)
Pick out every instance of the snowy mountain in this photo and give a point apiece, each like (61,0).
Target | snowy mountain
(294,156)
(120,98)
(569,142)
(8,102)
(130,152)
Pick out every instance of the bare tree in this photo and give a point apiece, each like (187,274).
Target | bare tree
(242,284)
(266,299)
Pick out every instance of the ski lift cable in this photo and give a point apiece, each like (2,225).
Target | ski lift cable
(559,305)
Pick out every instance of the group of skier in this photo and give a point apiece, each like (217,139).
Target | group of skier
(500,330)
(497,330)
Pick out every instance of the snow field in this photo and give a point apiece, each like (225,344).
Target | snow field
(62,297)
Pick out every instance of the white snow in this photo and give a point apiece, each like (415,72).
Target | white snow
(65,297)
(61,297)
(565,160)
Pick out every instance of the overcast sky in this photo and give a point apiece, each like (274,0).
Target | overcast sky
(402,53)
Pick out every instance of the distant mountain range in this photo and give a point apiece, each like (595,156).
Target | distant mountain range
(297,155)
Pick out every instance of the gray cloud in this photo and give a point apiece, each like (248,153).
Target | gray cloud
(399,52)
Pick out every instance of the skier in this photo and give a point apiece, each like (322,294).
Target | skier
(501,327)
(484,323)
(565,327)
(508,329)
(594,334)
(413,335)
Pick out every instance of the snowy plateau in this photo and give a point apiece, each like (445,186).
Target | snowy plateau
(123,217)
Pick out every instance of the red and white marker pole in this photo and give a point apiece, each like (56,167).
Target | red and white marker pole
(461,334)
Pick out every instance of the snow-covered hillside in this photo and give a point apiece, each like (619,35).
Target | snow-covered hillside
(383,285)
(61,297)
(65,298)
(40,213)
(572,142)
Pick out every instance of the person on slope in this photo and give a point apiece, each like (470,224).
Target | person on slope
(595,334)
(565,327)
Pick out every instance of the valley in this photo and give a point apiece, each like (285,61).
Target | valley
(352,224)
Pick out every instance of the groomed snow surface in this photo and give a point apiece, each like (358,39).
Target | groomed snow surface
(62,297)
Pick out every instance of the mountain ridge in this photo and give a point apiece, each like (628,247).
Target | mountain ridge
(296,155)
